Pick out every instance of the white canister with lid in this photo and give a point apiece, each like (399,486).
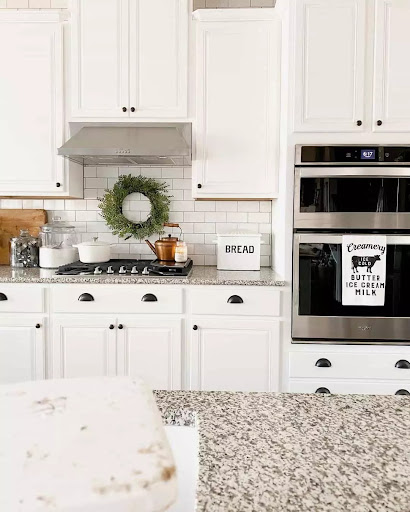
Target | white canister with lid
(94,251)
(57,244)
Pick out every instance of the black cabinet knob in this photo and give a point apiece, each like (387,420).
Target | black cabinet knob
(323,391)
(323,363)
(402,392)
(359,123)
(111,326)
(3,296)
(379,122)
(199,185)
(403,364)
(120,326)
(235,299)
(149,297)
(124,109)
(58,185)
(195,327)
(86,297)
(38,326)
(132,109)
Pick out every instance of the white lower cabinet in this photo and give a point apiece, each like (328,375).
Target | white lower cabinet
(22,348)
(150,347)
(83,346)
(230,354)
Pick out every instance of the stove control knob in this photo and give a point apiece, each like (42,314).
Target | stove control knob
(122,270)
(145,272)
(110,270)
(134,270)
(97,270)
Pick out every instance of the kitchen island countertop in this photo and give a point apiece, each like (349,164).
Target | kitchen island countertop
(297,452)
(200,275)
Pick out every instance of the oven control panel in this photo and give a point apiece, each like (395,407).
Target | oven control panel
(341,155)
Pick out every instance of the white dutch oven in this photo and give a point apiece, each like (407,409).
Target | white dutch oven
(94,251)
(239,251)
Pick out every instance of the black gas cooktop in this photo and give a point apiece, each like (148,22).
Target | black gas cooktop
(127,267)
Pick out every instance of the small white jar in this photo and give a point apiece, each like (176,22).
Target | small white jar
(181,252)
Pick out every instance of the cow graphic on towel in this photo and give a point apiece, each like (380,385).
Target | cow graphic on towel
(364,261)
(363,269)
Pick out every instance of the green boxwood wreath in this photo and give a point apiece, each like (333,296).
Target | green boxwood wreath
(155,191)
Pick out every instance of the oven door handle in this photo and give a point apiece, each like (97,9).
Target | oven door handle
(352,172)
(325,238)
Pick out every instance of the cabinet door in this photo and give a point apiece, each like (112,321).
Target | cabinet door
(237,87)
(158,58)
(31,104)
(22,355)
(330,39)
(150,347)
(392,72)
(100,40)
(234,355)
(83,346)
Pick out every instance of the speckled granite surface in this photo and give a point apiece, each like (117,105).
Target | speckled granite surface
(297,453)
(198,276)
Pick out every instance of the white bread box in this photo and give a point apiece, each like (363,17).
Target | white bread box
(239,251)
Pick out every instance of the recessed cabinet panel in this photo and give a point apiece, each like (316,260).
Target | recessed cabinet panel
(158,58)
(31,105)
(22,349)
(237,115)
(151,348)
(83,347)
(234,355)
(330,43)
(100,58)
(392,73)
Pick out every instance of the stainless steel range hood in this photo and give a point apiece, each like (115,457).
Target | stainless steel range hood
(164,145)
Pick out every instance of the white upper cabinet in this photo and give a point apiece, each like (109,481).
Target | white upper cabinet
(237,103)
(330,45)
(31,104)
(129,59)
(391,109)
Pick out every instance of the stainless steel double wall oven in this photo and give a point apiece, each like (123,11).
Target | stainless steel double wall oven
(357,190)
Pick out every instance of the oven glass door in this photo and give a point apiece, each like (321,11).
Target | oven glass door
(340,198)
(317,286)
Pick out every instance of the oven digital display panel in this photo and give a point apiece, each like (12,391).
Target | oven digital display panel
(367,154)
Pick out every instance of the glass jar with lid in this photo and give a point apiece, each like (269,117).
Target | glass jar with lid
(24,250)
(57,241)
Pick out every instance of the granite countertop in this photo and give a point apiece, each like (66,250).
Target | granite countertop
(295,452)
(198,276)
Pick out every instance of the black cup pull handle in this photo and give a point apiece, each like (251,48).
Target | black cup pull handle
(149,297)
(3,296)
(403,364)
(323,391)
(323,363)
(402,392)
(235,299)
(86,297)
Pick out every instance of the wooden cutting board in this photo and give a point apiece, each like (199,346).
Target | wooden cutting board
(12,221)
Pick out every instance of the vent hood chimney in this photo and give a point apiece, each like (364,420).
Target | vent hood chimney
(163,145)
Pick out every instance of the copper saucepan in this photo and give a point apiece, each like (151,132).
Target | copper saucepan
(165,247)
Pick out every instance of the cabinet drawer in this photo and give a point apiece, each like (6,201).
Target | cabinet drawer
(21,298)
(347,387)
(350,365)
(227,300)
(83,298)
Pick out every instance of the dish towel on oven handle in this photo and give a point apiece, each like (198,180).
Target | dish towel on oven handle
(363,270)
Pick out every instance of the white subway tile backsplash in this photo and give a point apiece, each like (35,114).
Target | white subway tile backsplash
(205,206)
(200,220)
(248,206)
